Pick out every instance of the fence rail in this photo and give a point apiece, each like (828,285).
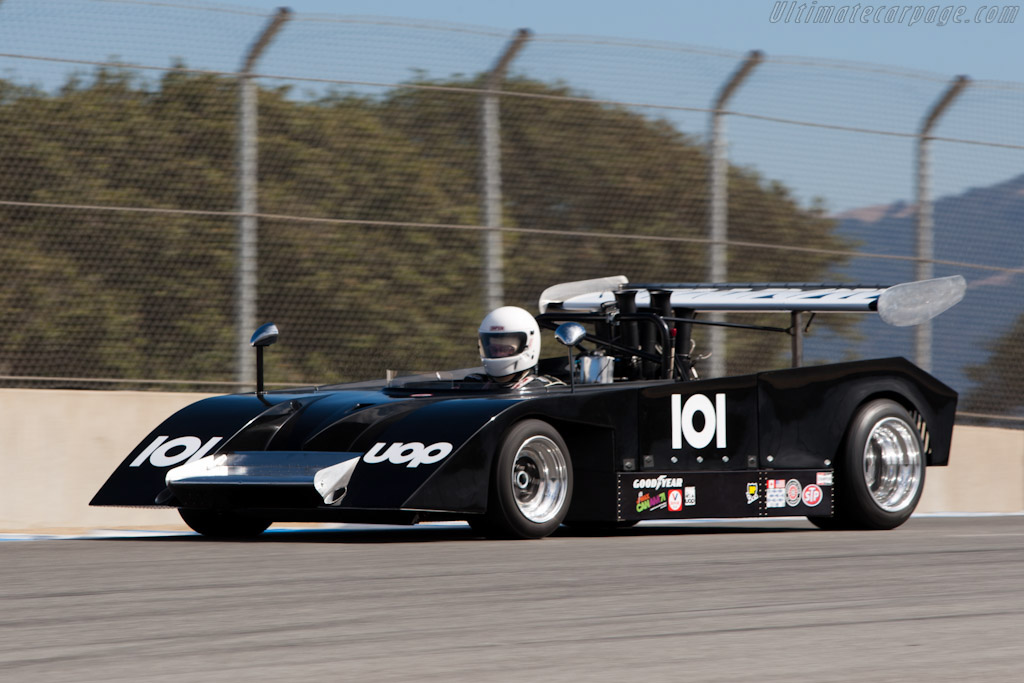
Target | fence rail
(374,185)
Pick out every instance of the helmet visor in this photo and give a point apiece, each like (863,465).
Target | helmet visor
(501,344)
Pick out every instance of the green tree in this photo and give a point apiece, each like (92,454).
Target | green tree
(144,287)
(604,173)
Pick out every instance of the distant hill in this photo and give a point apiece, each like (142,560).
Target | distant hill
(982,225)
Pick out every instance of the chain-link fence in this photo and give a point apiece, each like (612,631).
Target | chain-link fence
(172,175)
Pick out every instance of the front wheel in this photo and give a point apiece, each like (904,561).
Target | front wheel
(223,523)
(531,485)
(882,469)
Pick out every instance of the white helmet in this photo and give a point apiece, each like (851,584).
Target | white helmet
(509,341)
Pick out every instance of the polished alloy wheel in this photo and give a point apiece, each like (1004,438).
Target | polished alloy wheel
(893,467)
(540,479)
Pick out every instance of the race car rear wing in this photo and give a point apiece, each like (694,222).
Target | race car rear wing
(648,324)
(909,303)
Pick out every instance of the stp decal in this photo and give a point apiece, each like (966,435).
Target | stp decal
(684,424)
(163,453)
(812,495)
(411,454)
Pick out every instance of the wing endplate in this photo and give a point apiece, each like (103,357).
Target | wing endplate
(557,294)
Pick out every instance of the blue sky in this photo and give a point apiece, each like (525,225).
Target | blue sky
(982,51)
(846,169)
(871,170)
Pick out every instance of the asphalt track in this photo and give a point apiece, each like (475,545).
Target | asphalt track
(940,599)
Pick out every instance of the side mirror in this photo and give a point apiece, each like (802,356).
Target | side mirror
(265,335)
(570,334)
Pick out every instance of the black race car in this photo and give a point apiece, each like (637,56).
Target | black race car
(633,434)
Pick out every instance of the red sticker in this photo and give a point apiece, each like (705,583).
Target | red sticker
(812,495)
(675,500)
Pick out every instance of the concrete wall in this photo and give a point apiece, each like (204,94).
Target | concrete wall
(985,473)
(58,447)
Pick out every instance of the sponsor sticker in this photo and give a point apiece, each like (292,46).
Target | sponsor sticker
(411,454)
(793,492)
(690,495)
(649,502)
(662,482)
(775,495)
(824,479)
(812,495)
(752,492)
(675,500)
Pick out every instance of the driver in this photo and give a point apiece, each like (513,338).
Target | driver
(509,341)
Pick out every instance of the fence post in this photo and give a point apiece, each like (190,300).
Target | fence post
(490,162)
(718,216)
(925,238)
(245,321)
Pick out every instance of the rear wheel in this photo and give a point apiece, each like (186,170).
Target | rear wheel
(531,483)
(881,473)
(223,523)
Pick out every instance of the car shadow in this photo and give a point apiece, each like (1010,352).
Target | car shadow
(454,532)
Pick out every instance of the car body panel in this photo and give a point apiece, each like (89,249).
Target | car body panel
(785,424)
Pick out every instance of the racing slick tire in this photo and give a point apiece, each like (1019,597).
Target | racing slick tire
(531,483)
(881,470)
(222,523)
